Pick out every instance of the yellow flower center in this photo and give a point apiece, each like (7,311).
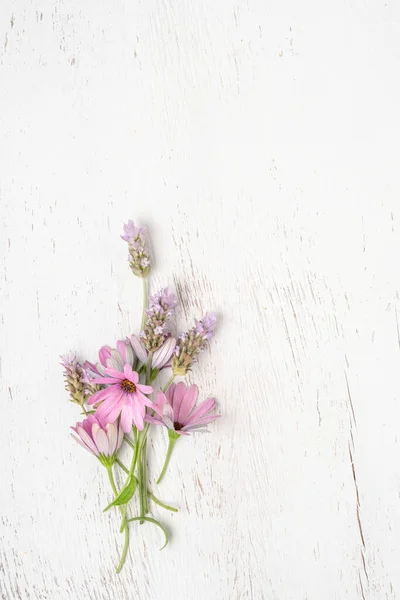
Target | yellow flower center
(127,386)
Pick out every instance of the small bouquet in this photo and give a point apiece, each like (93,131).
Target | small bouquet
(121,400)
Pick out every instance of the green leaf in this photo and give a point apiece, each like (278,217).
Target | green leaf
(153,375)
(150,520)
(125,494)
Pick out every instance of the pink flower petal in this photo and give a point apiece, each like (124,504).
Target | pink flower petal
(92,367)
(150,419)
(104,353)
(188,402)
(87,424)
(163,354)
(198,428)
(168,423)
(130,355)
(131,375)
(142,399)
(160,401)
(205,420)
(139,349)
(87,440)
(108,405)
(120,435)
(126,418)
(77,439)
(121,347)
(100,439)
(115,373)
(168,412)
(115,361)
(170,393)
(116,409)
(138,415)
(201,410)
(104,380)
(179,392)
(98,396)
(146,389)
(112,434)
(128,371)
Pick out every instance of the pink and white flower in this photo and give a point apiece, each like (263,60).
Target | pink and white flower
(161,357)
(124,396)
(114,358)
(176,410)
(103,442)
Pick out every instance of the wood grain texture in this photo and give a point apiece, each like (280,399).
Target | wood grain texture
(259,142)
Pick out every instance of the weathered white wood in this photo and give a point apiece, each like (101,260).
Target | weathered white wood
(259,143)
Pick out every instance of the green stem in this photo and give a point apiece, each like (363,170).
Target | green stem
(157,501)
(169,382)
(124,524)
(142,462)
(148,367)
(145,301)
(135,454)
(171,444)
(121,464)
(128,441)
(142,472)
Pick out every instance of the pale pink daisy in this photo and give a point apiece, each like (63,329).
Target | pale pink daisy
(176,410)
(161,357)
(103,442)
(115,358)
(124,396)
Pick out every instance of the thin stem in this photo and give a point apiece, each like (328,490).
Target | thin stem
(142,474)
(171,444)
(144,459)
(124,523)
(142,462)
(128,441)
(121,464)
(135,456)
(84,409)
(135,453)
(111,478)
(125,548)
(148,367)
(157,501)
(145,301)
(169,382)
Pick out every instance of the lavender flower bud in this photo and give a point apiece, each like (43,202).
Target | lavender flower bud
(139,256)
(161,309)
(73,377)
(89,387)
(191,343)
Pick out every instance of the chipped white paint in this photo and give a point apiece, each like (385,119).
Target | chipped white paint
(259,143)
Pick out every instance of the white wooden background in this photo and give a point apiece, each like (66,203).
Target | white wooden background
(259,141)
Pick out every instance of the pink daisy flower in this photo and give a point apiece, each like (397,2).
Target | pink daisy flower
(115,358)
(103,442)
(176,410)
(124,396)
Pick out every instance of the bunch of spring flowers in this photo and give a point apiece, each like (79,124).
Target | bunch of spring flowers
(120,398)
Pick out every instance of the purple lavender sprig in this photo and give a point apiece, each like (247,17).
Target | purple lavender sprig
(139,255)
(191,343)
(77,380)
(161,310)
